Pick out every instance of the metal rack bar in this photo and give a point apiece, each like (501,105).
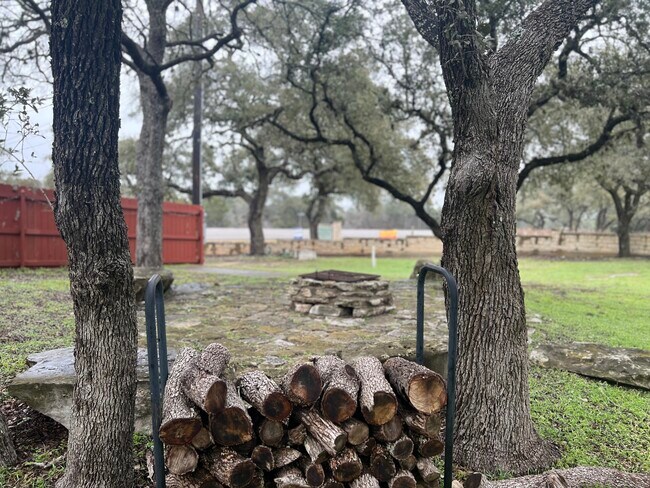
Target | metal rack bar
(154,307)
(452,291)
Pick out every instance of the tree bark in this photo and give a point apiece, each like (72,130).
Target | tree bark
(256,211)
(341,388)
(265,395)
(623,233)
(228,467)
(7,452)
(377,400)
(366,480)
(155,111)
(331,437)
(85,50)
(489,97)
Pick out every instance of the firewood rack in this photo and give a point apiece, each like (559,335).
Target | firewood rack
(158,366)
(452,346)
(154,309)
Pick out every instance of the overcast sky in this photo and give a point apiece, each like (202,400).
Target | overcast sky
(41,145)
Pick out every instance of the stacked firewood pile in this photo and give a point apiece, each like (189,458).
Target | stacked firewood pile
(326,423)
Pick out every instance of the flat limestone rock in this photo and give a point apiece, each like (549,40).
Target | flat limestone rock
(141,278)
(47,386)
(625,366)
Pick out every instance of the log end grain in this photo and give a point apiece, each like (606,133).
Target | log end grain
(231,427)
(383,410)
(304,385)
(427,393)
(276,406)
(179,431)
(337,405)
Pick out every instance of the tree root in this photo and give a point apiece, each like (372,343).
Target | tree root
(580,477)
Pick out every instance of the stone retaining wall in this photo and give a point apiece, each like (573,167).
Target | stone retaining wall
(528,242)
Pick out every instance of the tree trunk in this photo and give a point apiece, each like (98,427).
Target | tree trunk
(313,229)
(256,212)
(489,97)
(7,451)
(85,50)
(155,110)
(623,233)
(478,222)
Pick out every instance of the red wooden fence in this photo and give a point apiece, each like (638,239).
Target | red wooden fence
(29,237)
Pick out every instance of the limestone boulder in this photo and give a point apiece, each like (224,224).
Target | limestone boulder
(625,366)
(141,278)
(47,386)
(419,264)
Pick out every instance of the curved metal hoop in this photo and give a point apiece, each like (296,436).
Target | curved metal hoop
(452,290)
(154,307)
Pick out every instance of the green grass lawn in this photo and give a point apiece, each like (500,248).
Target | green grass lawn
(605,301)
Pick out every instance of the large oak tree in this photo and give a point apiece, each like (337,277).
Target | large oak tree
(490,97)
(85,48)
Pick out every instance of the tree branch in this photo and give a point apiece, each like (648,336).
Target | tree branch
(523,58)
(603,139)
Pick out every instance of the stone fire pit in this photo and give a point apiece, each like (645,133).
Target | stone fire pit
(340,294)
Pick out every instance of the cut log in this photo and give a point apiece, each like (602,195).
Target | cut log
(332,483)
(390,431)
(427,425)
(200,478)
(181,459)
(315,450)
(233,425)
(332,437)
(403,479)
(265,395)
(377,400)
(271,432)
(207,391)
(262,456)
(425,390)
(258,481)
(346,466)
(340,390)
(203,440)
(284,456)
(228,467)
(365,448)
(427,446)
(296,436)
(246,448)
(214,359)
(401,448)
(382,465)
(427,469)
(408,463)
(290,478)
(356,430)
(302,384)
(314,473)
(366,480)
(180,419)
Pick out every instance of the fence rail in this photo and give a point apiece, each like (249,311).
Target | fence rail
(29,237)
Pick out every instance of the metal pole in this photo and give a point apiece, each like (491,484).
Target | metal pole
(154,307)
(452,291)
